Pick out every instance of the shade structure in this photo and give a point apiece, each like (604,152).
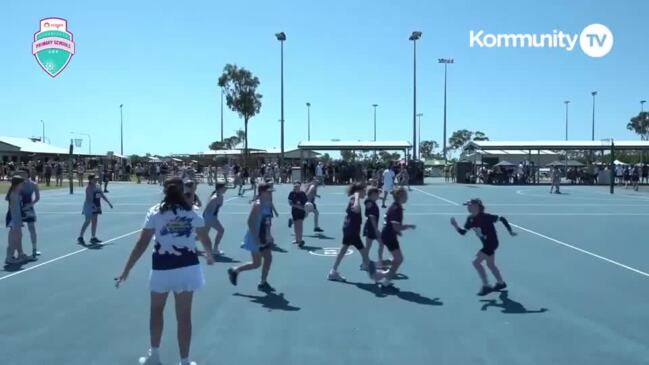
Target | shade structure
(569,163)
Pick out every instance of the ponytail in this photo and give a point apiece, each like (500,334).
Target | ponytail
(174,198)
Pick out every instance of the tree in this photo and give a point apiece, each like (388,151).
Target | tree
(426,149)
(640,125)
(459,138)
(325,158)
(347,155)
(228,143)
(479,136)
(240,88)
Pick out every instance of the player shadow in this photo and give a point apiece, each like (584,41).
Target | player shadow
(319,236)
(14,267)
(508,305)
(270,301)
(310,248)
(408,296)
(225,259)
(276,248)
(94,246)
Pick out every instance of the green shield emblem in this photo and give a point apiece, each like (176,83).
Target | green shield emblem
(53,45)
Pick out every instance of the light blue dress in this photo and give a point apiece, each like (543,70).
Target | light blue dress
(262,224)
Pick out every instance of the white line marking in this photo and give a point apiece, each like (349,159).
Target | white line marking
(582,250)
(64,256)
(437,197)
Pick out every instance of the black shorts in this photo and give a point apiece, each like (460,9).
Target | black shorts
(489,248)
(298,214)
(350,239)
(369,231)
(392,244)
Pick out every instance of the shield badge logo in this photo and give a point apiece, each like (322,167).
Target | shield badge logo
(53,45)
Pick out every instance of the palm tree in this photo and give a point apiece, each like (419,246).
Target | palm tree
(640,125)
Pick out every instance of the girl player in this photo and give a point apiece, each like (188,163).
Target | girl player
(210,215)
(91,210)
(392,228)
(352,233)
(483,225)
(175,266)
(15,223)
(30,196)
(297,199)
(257,240)
(371,227)
(190,193)
(312,194)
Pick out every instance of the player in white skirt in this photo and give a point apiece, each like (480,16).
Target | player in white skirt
(211,215)
(175,266)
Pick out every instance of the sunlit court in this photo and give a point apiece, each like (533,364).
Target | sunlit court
(568,279)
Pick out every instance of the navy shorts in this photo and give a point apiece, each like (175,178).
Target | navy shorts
(489,248)
(350,239)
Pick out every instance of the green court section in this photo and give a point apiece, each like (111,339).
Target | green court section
(577,275)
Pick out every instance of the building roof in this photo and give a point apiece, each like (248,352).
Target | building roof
(31,146)
(337,145)
(513,152)
(557,145)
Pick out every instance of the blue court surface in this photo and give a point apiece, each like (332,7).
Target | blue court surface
(578,279)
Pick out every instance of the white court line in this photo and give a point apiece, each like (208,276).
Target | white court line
(437,197)
(64,256)
(569,246)
(582,250)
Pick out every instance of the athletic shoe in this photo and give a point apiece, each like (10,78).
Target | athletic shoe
(35,253)
(265,287)
(81,241)
(95,240)
(189,363)
(387,283)
(335,276)
(500,286)
(12,261)
(217,253)
(232,275)
(301,244)
(317,229)
(290,222)
(485,290)
(24,258)
(150,359)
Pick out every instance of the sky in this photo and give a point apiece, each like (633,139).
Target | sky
(162,59)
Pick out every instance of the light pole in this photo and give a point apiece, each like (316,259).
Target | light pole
(89,140)
(594,93)
(446,62)
(414,37)
(566,102)
(121,130)
(375,105)
(419,115)
(281,37)
(221,115)
(308,120)
(642,105)
(43,136)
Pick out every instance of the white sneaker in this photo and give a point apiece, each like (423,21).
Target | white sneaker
(150,359)
(189,363)
(387,283)
(335,276)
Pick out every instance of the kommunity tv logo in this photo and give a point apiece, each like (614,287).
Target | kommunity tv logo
(595,40)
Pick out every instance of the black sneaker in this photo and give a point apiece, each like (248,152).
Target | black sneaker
(290,222)
(485,290)
(301,244)
(317,229)
(500,286)
(232,275)
(265,287)
(95,240)
(81,241)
